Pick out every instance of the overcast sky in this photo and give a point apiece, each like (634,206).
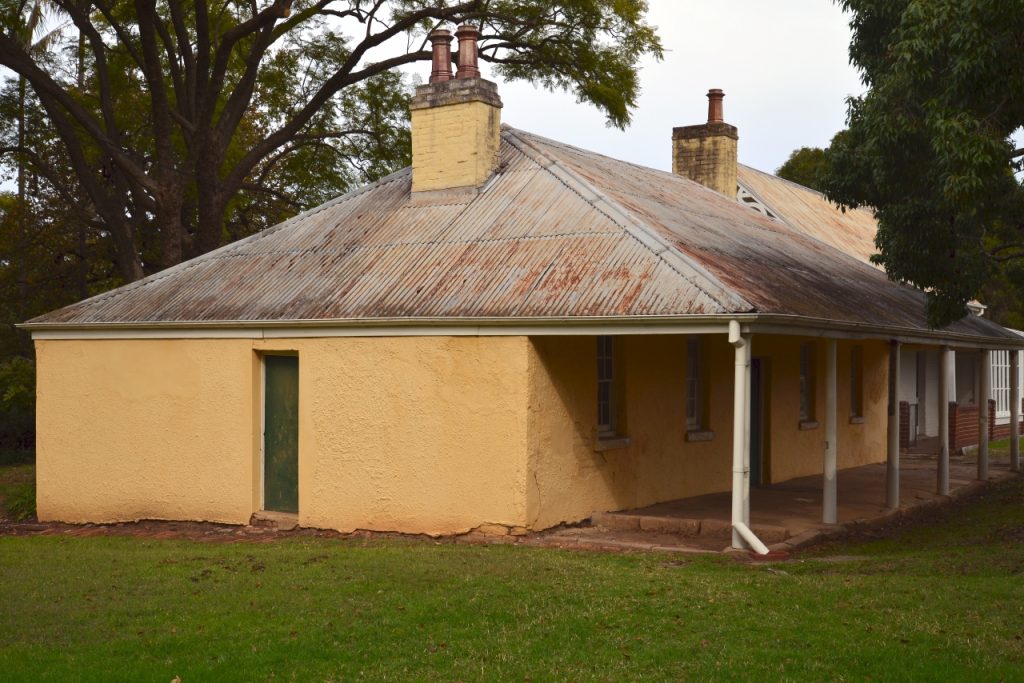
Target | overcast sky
(783,65)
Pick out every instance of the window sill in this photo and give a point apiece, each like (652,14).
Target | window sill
(699,435)
(611,443)
(857,420)
(808,425)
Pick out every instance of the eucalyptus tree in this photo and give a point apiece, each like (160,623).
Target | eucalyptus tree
(930,144)
(197,122)
(804,166)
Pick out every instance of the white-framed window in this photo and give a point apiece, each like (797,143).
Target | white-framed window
(605,386)
(694,390)
(807,382)
(1001,381)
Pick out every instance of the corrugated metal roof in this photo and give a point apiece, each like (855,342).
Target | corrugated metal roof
(851,231)
(557,233)
(771,265)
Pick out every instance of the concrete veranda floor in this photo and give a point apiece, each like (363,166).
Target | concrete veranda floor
(785,515)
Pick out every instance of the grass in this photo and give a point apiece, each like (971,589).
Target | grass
(998,449)
(17,491)
(931,603)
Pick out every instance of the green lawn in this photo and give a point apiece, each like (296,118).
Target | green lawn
(17,486)
(944,602)
(997,450)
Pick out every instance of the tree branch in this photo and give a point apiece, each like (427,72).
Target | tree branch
(342,78)
(52,95)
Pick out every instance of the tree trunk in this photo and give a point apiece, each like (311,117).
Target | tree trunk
(168,221)
(21,142)
(211,198)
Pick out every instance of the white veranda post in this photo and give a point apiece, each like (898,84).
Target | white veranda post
(1015,410)
(984,393)
(943,473)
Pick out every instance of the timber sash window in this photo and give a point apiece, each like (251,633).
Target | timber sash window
(605,387)
(694,390)
(697,387)
(856,383)
(807,386)
(1001,382)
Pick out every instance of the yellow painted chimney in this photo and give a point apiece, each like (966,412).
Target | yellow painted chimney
(456,122)
(707,152)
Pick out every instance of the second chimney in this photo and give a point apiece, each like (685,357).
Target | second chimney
(456,122)
(707,152)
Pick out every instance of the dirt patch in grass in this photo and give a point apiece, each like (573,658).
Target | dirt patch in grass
(921,518)
(192,531)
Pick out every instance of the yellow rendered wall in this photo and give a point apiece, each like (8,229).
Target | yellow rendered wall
(422,434)
(570,480)
(417,434)
(796,452)
(144,430)
(454,145)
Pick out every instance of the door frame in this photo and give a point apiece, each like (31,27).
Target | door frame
(762,390)
(262,435)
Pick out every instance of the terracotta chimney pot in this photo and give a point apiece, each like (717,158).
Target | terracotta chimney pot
(468,36)
(441,41)
(715,97)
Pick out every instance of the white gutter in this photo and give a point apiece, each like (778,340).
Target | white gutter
(742,536)
(752,323)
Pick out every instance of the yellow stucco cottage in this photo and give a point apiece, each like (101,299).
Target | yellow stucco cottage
(512,331)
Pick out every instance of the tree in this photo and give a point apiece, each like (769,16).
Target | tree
(197,121)
(804,166)
(929,144)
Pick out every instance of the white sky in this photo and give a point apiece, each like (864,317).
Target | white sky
(783,65)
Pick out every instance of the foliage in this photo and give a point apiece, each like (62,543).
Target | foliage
(17,384)
(17,402)
(178,125)
(16,456)
(933,603)
(804,167)
(929,145)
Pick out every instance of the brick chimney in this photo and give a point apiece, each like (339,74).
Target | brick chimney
(707,153)
(456,122)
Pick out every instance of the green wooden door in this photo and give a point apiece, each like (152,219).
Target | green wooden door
(281,434)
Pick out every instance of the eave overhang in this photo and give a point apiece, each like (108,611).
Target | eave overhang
(752,323)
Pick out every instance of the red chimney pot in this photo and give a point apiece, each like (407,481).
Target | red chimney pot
(467,35)
(441,70)
(715,106)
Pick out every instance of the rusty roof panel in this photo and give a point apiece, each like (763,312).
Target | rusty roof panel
(777,268)
(851,231)
(557,232)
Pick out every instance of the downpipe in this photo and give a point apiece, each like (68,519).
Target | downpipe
(742,536)
(752,540)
